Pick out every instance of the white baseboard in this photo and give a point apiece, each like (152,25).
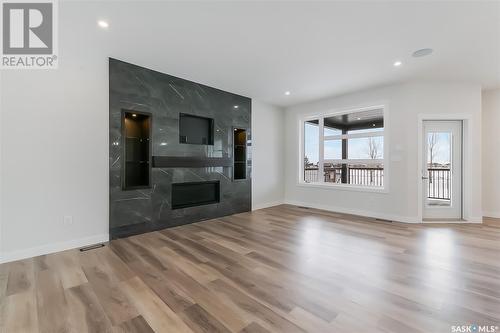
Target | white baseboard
(474,219)
(267,204)
(495,215)
(468,220)
(51,248)
(389,217)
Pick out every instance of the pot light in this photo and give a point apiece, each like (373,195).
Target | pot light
(422,53)
(134,115)
(103,24)
(359,118)
(163,144)
(236,106)
(397,63)
(287,93)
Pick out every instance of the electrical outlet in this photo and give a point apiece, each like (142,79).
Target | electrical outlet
(68,220)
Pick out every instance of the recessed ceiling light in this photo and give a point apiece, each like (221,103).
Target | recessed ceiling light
(103,24)
(359,118)
(163,144)
(397,63)
(373,125)
(287,93)
(236,106)
(134,115)
(422,53)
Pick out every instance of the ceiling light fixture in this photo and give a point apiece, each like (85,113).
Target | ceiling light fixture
(236,106)
(287,93)
(134,115)
(422,53)
(397,63)
(103,24)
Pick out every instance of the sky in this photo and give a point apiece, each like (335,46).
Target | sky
(441,149)
(358,148)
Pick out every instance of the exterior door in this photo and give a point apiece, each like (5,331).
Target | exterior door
(442,170)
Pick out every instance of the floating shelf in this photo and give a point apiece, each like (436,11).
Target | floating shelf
(190,162)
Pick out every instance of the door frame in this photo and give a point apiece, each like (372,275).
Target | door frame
(466,167)
(453,211)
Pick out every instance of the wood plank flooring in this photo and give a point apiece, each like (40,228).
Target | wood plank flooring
(280,269)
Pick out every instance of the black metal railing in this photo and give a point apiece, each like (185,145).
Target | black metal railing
(439,184)
(310,175)
(369,176)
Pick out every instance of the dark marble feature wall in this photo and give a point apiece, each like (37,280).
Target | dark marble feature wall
(136,88)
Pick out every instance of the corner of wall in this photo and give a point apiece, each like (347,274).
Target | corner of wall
(490,114)
(268,137)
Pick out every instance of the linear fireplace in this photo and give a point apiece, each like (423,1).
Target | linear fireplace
(195,194)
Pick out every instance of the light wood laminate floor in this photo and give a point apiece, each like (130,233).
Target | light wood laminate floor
(281,269)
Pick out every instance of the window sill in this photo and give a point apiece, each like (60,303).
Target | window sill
(344,187)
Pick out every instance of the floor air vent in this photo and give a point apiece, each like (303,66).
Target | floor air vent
(91,247)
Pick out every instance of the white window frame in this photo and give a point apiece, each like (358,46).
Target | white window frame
(322,138)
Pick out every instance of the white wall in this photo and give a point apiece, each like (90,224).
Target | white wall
(1,184)
(491,153)
(405,102)
(54,146)
(54,156)
(268,155)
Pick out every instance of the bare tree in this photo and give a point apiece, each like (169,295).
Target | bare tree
(432,142)
(373,148)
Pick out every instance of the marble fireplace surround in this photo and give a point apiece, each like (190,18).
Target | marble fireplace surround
(134,88)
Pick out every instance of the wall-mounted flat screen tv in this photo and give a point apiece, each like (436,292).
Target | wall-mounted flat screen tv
(196,130)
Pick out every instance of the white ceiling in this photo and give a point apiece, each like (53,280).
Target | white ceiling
(313,49)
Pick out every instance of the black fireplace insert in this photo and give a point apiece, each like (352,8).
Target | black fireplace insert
(195,194)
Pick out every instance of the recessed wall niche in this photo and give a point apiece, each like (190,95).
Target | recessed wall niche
(191,149)
(239,154)
(136,132)
(196,130)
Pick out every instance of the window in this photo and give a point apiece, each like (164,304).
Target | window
(345,148)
